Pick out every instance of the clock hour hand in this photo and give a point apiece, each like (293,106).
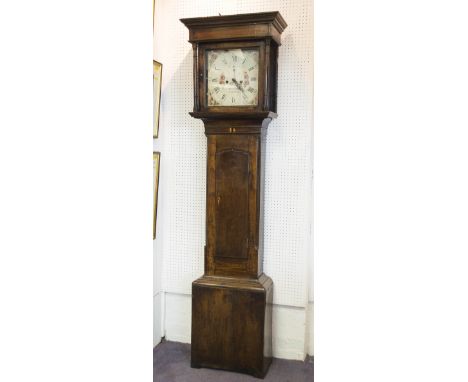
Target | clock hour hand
(238,85)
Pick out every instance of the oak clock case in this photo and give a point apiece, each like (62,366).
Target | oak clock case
(235,76)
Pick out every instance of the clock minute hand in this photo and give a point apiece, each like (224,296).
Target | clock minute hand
(238,85)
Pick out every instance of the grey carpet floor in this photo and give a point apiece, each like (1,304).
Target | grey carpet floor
(171,363)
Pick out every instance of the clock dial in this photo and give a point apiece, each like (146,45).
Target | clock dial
(232,77)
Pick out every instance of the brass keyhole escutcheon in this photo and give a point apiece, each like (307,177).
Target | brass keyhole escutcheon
(218,200)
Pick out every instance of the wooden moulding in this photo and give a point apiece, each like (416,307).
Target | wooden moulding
(231,324)
(234,115)
(234,123)
(246,26)
(259,284)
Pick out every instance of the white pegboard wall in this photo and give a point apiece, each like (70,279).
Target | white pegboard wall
(288,155)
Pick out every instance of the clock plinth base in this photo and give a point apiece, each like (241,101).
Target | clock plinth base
(231,324)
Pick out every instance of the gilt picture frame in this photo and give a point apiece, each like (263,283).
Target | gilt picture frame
(157,78)
(156,161)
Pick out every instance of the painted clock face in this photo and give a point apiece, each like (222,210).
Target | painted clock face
(232,77)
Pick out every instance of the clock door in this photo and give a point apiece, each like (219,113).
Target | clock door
(232,205)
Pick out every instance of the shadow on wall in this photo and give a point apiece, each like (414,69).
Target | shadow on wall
(171,89)
(186,179)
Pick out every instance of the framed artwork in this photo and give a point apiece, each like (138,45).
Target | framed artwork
(157,75)
(156,158)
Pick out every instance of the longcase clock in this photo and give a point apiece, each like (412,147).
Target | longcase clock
(235,80)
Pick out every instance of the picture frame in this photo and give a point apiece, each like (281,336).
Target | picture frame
(156,162)
(157,78)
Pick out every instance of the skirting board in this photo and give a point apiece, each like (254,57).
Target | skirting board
(157,322)
(310,329)
(289,326)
